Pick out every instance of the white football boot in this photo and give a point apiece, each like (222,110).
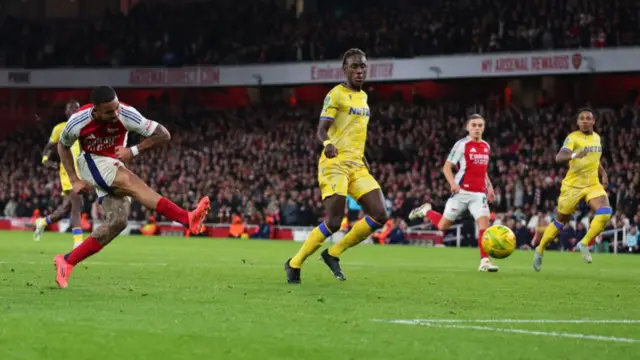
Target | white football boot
(586,254)
(40,224)
(486,265)
(537,261)
(420,212)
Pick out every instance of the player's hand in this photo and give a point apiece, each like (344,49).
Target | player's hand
(491,196)
(605,181)
(330,151)
(80,186)
(124,154)
(581,154)
(455,188)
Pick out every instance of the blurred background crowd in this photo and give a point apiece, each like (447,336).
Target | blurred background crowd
(230,32)
(260,161)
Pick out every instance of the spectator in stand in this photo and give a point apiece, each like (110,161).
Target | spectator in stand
(631,240)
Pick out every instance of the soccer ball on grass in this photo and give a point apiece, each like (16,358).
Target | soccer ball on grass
(498,241)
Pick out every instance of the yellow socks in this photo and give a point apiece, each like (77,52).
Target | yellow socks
(549,234)
(77,236)
(311,244)
(599,222)
(360,230)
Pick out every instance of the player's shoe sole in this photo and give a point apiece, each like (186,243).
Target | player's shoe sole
(197,216)
(420,212)
(334,265)
(293,274)
(537,261)
(63,271)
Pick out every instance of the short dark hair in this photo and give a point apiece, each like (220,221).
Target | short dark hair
(351,52)
(585,109)
(102,94)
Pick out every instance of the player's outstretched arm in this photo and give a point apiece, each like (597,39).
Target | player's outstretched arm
(491,195)
(330,150)
(566,155)
(47,154)
(66,158)
(603,176)
(447,170)
(160,136)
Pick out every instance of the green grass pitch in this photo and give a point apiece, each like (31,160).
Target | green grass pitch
(176,298)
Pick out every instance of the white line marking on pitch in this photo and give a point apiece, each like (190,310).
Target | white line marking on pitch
(448,324)
(515,321)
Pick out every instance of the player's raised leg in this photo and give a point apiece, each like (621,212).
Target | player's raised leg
(602,217)
(550,233)
(376,215)
(116,210)
(75,214)
(59,213)
(567,203)
(127,183)
(334,206)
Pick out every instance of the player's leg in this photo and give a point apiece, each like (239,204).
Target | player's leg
(567,203)
(376,216)
(334,206)
(479,209)
(59,213)
(365,189)
(334,184)
(75,214)
(443,223)
(126,183)
(116,210)
(599,202)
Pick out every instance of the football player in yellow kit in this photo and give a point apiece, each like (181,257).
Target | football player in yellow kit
(343,170)
(72,203)
(582,149)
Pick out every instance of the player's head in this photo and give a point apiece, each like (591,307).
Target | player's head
(354,64)
(586,120)
(72,107)
(475,126)
(106,106)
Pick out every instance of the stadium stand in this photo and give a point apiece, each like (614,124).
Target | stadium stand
(244,157)
(154,33)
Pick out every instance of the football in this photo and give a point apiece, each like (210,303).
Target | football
(499,241)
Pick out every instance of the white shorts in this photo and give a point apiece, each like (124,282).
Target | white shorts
(99,171)
(475,202)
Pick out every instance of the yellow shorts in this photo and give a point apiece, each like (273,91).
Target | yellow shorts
(571,196)
(345,178)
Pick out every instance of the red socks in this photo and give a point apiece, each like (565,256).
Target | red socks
(172,211)
(88,247)
(483,254)
(434,217)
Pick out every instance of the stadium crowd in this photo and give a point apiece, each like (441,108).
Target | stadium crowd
(252,168)
(230,32)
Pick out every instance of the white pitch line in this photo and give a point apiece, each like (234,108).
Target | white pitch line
(514,321)
(521,331)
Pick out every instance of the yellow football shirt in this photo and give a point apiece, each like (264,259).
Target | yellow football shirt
(349,112)
(583,172)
